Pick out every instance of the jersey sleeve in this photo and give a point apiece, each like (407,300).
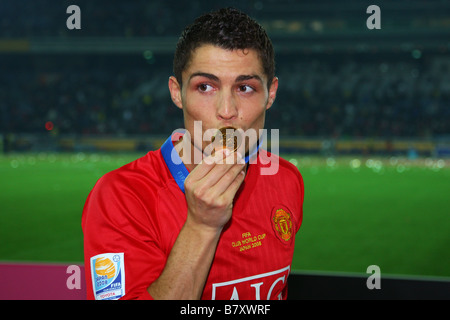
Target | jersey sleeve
(121,249)
(295,190)
(301,196)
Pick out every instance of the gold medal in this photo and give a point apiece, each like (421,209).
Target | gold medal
(226,138)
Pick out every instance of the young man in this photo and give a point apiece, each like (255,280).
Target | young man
(168,227)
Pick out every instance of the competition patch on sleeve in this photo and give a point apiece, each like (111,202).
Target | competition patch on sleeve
(108,276)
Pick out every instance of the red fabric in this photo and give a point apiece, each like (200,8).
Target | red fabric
(139,210)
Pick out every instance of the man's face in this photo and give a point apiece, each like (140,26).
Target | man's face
(223,88)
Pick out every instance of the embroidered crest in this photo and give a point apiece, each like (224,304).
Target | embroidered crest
(282,224)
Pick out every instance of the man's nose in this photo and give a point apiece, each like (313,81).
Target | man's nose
(227,109)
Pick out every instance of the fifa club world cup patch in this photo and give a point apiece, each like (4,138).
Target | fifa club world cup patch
(108,276)
(282,224)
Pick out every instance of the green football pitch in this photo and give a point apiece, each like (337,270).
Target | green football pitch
(389,212)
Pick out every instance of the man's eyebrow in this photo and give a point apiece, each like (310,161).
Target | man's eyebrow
(204,74)
(212,77)
(248,77)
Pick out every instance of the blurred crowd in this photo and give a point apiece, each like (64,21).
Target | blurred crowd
(338,94)
(359,97)
(118,18)
(319,95)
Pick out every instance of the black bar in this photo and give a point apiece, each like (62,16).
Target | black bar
(349,287)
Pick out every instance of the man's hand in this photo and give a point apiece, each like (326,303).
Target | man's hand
(210,189)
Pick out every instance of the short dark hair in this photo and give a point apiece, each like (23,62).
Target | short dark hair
(227,28)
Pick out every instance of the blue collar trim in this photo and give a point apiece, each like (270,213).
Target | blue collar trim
(174,163)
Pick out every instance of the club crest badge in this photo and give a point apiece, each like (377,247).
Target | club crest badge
(282,224)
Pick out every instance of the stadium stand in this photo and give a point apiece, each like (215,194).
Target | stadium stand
(333,83)
(316,97)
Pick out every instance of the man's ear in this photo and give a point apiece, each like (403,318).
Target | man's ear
(175,91)
(272,92)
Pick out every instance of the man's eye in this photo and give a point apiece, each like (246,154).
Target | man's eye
(205,87)
(245,88)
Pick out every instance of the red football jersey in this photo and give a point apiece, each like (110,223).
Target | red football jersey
(133,215)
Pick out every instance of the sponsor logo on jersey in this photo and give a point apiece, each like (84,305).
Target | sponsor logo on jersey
(265,286)
(282,224)
(108,276)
